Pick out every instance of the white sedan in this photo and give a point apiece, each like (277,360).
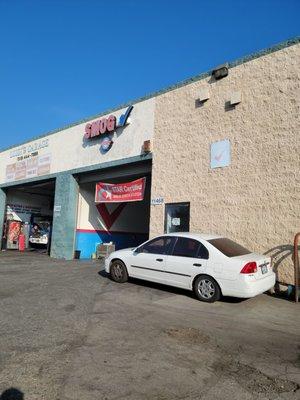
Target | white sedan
(209,265)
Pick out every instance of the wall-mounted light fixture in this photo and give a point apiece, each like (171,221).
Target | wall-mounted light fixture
(220,72)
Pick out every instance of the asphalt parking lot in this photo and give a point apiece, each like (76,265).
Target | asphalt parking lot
(68,332)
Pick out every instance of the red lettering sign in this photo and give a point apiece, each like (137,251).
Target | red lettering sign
(88,129)
(111,123)
(100,127)
(95,128)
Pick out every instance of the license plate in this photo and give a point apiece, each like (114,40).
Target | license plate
(264,269)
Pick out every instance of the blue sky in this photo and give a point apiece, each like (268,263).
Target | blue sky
(62,61)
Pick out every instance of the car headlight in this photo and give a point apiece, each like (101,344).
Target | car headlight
(44,239)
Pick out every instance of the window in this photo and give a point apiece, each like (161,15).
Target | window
(161,245)
(186,247)
(177,217)
(203,252)
(228,247)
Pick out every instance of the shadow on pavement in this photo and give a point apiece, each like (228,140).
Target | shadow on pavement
(174,290)
(12,394)
(103,273)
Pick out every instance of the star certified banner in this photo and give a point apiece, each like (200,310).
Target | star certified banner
(120,192)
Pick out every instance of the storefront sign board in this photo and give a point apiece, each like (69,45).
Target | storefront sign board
(120,192)
(106,125)
(24,209)
(28,168)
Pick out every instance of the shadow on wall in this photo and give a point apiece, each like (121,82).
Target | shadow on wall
(12,394)
(279,254)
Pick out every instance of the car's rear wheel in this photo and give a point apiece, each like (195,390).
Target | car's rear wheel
(207,289)
(118,271)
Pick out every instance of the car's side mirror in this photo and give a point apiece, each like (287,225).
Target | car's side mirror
(138,250)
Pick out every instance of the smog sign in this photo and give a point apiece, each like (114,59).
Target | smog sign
(105,125)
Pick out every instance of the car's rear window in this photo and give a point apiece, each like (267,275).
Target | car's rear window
(229,247)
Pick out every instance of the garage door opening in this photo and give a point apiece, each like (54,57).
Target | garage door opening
(121,224)
(29,212)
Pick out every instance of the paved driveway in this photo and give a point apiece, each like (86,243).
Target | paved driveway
(68,332)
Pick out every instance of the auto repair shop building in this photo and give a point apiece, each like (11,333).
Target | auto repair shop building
(225,148)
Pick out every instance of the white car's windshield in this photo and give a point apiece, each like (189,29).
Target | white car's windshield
(228,247)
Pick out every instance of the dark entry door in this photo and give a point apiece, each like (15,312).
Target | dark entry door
(177,217)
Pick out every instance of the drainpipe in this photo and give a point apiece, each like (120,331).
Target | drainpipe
(296,266)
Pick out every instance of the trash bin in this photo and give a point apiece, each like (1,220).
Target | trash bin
(77,254)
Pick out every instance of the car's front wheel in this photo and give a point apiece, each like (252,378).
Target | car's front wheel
(207,289)
(118,271)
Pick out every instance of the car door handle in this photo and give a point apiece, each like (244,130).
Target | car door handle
(159,259)
(197,265)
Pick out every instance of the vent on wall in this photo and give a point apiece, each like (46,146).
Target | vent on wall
(203,95)
(235,98)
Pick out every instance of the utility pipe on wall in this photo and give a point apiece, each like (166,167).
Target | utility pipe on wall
(296,266)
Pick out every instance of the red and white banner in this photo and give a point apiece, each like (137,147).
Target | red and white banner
(120,192)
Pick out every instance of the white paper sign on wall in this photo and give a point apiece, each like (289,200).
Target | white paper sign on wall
(176,221)
(57,211)
(220,154)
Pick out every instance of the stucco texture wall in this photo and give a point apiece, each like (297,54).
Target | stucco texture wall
(255,200)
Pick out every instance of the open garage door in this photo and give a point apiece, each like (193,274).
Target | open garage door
(122,223)
(29,211)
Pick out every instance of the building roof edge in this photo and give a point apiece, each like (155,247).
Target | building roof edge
(239,61)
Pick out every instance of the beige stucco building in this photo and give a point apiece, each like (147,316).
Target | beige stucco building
(256,198)
(224,157)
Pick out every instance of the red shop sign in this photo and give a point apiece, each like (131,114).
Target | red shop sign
(120,192)
(100,127)
(106,125)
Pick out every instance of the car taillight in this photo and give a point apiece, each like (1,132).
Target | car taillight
(249,268)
